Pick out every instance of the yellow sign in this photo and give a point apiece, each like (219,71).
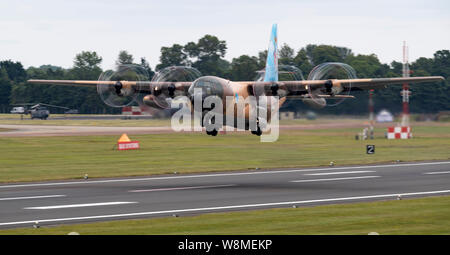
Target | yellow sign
(124,138)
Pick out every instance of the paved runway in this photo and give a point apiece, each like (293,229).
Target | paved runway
(54,130)
(22,204)
(51,130)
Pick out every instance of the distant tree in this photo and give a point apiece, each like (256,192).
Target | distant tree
(207,47)
(396,68)
(172,56)
(344,52)
(207,55)
(302,62)
(86,65)
(262,58)
(366,65)
(286,55)
(441,64)
(15,70)
(5,90)
(124,58)
(12,75)
(244,68)
(325,53)
(146,66)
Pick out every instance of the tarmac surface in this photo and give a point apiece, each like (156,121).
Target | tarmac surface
(53,130)
(58,202)
(50,130)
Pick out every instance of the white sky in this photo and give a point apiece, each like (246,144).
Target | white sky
(54,31)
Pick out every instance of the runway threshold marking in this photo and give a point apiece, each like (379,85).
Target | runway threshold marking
(182,188)
(348,172)
(77,205)
(33,197)
(224,207)
(220,175)
(444,172)
(338,179)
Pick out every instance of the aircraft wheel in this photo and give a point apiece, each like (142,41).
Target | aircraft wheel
(258,132)
(213,132)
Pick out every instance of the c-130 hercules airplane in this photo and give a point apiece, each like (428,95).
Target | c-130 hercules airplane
(130,84)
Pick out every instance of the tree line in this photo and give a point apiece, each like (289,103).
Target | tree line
(207,55)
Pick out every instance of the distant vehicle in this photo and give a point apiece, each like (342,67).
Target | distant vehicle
(40,112)
(71,111)
(384,116)
(19,110)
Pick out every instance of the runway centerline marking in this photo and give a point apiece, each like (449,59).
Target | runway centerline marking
(443,172)
(348,172)
(338,179)
(220,175)
(225,207)
(77,205)
(33,197)
(182,188)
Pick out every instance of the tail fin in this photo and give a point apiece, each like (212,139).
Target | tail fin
(271,73)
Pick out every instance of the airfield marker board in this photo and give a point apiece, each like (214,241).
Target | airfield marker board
(399,132)
(124,143)
(370,149)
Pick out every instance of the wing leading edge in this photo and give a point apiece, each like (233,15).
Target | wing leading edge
(292,86)
(346,84)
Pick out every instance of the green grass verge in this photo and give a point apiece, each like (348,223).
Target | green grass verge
(426,216)
(49,158)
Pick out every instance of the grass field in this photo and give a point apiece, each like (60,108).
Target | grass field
(427,216)
(47,158)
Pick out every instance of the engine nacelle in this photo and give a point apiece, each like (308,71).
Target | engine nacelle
(119,94)
(164,93)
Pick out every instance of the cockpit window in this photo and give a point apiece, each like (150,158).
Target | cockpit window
(209,85)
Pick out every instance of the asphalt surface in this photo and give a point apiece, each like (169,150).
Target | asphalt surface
(54,130)
(50,130)
(49,203)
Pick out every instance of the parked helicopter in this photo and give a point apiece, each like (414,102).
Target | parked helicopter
(41,111)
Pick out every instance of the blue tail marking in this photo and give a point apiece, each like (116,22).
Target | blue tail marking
(271,73)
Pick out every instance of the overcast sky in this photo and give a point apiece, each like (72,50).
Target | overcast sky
(37,32)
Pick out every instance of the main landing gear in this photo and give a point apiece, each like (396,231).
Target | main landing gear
(213,132)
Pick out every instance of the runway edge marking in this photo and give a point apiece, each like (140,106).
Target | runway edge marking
(33,197)
(338,179)
(222,174)
(347,172)
(77,205)
(223,207)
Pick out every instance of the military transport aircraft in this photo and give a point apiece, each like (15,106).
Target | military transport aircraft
(129,84)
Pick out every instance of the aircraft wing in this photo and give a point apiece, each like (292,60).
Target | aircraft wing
(138,86)
(377,83)
(293,88)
